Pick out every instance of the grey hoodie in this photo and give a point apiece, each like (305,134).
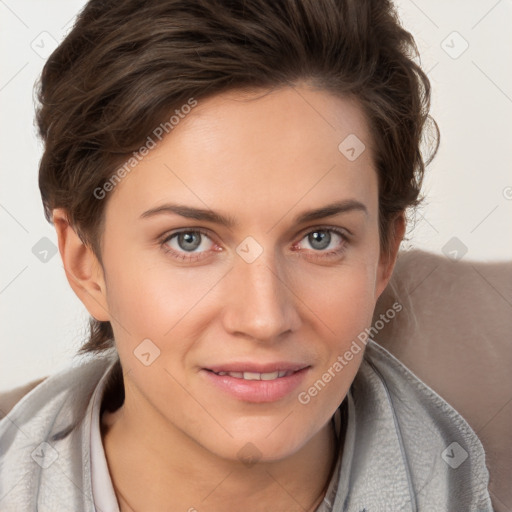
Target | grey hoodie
(406,449)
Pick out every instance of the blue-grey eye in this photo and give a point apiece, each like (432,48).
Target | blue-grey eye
(319,240)
(189,241)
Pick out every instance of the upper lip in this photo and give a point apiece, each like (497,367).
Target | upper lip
(257,367)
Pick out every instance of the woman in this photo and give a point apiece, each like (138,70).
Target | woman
(229,183)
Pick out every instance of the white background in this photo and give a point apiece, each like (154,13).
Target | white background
(469,184)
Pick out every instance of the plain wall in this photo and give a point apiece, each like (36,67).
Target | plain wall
(469,184)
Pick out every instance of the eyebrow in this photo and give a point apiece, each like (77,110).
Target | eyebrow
(345,206)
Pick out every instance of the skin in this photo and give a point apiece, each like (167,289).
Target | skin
(262,159)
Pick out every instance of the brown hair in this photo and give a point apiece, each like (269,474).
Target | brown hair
(127,65)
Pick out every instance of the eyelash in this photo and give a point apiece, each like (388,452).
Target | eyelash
(192,257)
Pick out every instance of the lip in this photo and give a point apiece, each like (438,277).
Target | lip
(256,391)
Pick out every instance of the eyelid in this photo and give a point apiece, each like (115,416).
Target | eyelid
(170,234)
(343,232)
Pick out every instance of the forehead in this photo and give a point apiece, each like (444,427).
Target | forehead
(273,126)
(273,148)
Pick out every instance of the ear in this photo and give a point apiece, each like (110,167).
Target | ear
(83,270)
(387,259)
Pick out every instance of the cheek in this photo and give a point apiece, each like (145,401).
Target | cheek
(343,299)
(346,311)
(345,304)
(151,300)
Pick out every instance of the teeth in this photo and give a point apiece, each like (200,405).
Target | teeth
(269,376)
(257,376)
(252,376)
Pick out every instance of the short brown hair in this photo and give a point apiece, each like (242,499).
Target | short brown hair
(126,65)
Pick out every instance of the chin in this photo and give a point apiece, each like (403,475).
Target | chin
(260,445)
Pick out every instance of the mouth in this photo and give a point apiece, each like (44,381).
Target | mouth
(250,383)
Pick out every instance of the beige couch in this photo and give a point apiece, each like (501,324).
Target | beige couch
(454,333)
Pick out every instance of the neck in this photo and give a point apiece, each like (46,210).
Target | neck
(141,466)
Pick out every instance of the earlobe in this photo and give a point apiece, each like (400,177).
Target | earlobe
(387,260)
(83,270)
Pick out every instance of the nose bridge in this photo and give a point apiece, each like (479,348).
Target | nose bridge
(261,305)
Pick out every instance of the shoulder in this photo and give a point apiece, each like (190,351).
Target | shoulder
(72,385)
(43,436)
(9,398)
(413,402)
(417,436)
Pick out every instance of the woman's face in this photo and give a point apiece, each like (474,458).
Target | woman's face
(241,259)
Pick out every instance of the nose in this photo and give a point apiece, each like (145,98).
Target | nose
(261,305)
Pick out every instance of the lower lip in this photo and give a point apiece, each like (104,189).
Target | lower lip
(257,391)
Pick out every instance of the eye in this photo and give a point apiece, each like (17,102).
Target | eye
(325,241)
(191,244)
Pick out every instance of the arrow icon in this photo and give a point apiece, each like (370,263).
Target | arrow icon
(454,455)
(351,147)
(44,250)
(146,352)
(454,45)
(249,249)
(44,455)
(454,249)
